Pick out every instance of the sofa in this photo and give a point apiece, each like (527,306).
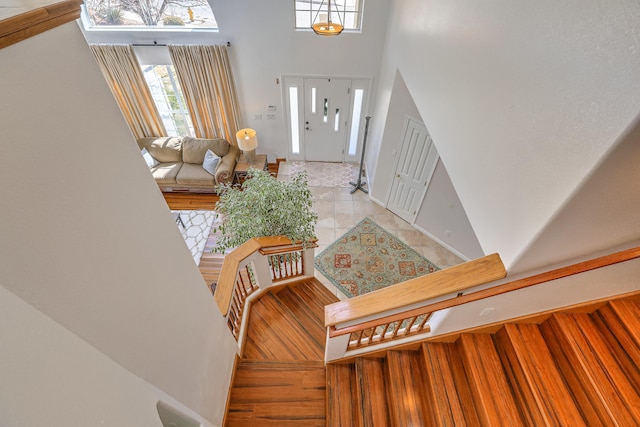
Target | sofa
(181,163)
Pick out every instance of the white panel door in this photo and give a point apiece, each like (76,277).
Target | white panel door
(414,169)
(326,114)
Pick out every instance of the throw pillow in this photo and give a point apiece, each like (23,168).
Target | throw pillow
(151,162)
(210,162)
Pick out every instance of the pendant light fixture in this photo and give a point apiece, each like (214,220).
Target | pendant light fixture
(326,28)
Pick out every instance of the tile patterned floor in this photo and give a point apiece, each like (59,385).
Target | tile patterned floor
(339,210)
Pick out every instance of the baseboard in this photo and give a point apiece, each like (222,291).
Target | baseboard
(441,243)
(420,229)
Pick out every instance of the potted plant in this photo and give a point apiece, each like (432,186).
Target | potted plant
(265,206)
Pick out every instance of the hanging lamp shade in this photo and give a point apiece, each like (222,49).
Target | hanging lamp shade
(325,27)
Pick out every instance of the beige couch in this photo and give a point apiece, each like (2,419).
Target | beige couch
(178,164)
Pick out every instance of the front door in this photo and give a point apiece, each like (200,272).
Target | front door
(415,165)
(326,114)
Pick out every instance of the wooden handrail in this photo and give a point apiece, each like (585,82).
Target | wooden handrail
(451,280)
(537,279)
(227,278)
(19,23)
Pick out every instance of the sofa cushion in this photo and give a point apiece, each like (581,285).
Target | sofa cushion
(194,149)
(210,163)
(163,149)
(151,162)
(166,173)
(194,174)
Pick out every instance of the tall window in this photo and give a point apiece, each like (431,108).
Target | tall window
(130,14)
(345,12)
(168,97)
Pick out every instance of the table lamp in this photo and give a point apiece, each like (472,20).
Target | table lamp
(247,142)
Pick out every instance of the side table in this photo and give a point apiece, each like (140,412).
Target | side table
(242,167)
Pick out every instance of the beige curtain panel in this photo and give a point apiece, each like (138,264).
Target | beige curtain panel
(209,89)
(123,73)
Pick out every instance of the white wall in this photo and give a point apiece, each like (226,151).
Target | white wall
(522,100)
(441,210)
(597,284)
(50,377)
(443,217)
(87,238)
(265,46)
(603,212)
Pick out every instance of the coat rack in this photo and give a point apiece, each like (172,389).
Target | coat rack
(358,185)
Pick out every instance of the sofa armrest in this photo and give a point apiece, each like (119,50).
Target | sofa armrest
(227,164)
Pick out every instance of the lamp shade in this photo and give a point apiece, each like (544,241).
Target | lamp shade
(324,26)
(247,139)
(327,28)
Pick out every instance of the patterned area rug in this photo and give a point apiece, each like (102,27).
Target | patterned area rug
(322,174)
(368,258)
(197,226)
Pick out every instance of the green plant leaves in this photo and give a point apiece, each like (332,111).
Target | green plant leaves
(265,206)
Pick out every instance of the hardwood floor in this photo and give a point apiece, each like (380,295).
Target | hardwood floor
(191,201)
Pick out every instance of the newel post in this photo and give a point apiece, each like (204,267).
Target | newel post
(336,347)
(308,261)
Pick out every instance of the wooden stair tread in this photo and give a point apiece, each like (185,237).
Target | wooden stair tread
(341,393)
(623,319)
(371,391)
(308,316)
(451,403)
(491,391)
(271,322)
(617,325)
(405,386)
(543,396)
(591,370)
(263,392)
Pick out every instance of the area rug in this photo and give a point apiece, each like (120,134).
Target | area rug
(368,258)
(197,226)
(321,174)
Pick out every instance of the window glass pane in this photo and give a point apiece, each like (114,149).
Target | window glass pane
(168,14)
(167,95)
(325,113)
(346,12)
(313,100)
(293,111)
(355,121)
(336,121)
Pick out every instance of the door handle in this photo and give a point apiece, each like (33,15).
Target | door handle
(308,128)
(398,176)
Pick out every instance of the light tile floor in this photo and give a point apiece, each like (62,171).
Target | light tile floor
(338,211)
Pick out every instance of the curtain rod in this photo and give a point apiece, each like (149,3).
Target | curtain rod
(155,43)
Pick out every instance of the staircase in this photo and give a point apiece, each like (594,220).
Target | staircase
(280,380)
(572,369)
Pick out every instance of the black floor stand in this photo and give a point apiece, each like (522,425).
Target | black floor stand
(358,185)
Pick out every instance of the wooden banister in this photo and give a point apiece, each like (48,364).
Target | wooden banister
(439,283)
(227,278)
(537,279)
(18,22)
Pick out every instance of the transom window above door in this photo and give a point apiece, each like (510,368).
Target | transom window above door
(346,12)
(148,14)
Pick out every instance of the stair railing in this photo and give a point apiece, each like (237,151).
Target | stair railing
(402,313)
(254,267)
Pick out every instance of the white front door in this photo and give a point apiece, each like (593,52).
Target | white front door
(326,111)
(414,168)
